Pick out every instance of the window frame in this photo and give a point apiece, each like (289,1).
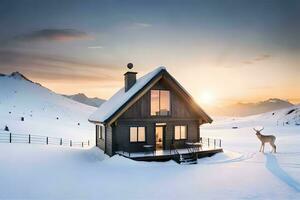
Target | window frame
(101,132)
(159,103)
(180,134)
(137,136)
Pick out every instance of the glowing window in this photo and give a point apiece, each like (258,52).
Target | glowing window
(160,102)
(180,133)
(137,134)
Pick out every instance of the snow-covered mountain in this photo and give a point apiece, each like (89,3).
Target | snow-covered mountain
(82,98)
(247,109)
(44,111)
(283,117)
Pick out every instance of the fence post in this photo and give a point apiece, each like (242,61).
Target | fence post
(60,141)
(220,143)
(214,143)
(9,137)
(70,143)
(46,140)
(82,144)
(88,142)
(208,142)
(29,138)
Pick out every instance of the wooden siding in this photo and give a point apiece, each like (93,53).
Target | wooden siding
(109,140)
(122,134)
(141,109)
(99,142)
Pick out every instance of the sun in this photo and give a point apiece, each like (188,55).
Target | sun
(207,97)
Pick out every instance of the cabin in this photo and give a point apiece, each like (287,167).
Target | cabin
(152,118)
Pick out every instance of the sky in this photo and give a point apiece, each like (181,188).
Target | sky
(220,51)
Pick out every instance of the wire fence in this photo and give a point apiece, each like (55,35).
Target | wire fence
(6,137)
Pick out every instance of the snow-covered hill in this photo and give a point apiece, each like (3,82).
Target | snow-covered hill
(44,112)
(282,117)
(247,109)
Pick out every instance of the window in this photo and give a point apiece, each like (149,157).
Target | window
(137,134)
(160,102)
(101,132)
(180,132)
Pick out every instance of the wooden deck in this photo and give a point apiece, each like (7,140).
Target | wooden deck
(165,155)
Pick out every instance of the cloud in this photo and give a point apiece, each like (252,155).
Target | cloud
(257,59)
(55,68)
(95,47)
(262,57)
(142,25)
(248,62)
(139,25)
(53,35)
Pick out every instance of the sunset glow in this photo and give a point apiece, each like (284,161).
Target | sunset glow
(207,97)
(85,48)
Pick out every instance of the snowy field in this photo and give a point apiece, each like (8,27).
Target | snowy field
(30,171)
(241,172)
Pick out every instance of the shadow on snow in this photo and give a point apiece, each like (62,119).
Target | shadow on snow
(273,166)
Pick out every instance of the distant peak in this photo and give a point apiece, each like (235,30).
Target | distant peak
(80,94)
(19,76)
(277,100)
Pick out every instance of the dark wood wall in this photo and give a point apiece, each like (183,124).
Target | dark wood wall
(99,142)
(141,109)
(105,144)
(121,134)
(109,140)
(139,115)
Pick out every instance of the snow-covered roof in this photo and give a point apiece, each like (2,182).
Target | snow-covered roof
(108,108)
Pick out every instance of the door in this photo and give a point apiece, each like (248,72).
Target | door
(159,137)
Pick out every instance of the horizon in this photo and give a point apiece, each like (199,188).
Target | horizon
(219,51)
(206,106)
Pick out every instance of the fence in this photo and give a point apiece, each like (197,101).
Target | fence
(38,139)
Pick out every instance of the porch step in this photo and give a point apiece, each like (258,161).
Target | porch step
(187,159)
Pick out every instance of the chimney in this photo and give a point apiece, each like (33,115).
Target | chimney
(129,77)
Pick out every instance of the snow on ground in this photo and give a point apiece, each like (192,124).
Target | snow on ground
(241,172)
(29,171)
(40,108)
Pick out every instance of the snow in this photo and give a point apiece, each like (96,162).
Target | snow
(241,172)
(282,117)
(109,107)
(40,108)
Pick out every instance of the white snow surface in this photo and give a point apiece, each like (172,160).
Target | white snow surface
(110,106)
(40,108)
(241,172)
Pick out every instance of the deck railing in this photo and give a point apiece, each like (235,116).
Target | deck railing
(6,137)
(211,142)
(208,143)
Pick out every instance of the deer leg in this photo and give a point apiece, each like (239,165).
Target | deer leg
(260,147)
(263,147)
(274,148)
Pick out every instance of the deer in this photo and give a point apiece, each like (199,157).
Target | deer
(265,139)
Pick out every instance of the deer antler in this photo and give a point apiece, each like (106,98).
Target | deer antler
(261,129)
(254,129)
